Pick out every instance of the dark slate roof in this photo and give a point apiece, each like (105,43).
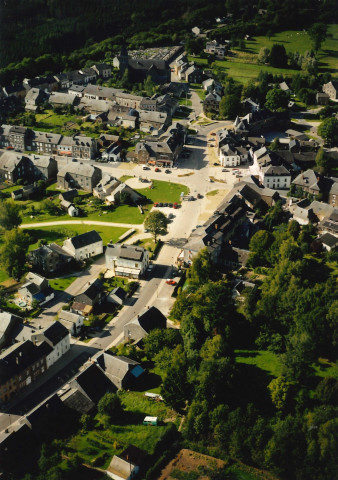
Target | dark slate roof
(133,454)
(76,400)
(55,333)
(94,383)
(69,195)
(145,64)
(329,240)
(85,239)
(151,318)
(92,290)
(17,358)
(119,292)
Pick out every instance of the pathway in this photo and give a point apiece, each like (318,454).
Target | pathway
(80,222)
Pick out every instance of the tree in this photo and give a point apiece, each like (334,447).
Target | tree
(278,57)
(317,33)
(149,86)
(229,106)
(110,406)
(276,100)
(9,214)
(13,252)
(322,161)
(156,222)
(202,268)
(175,388)
(160,338)
(307,96)
(260,243)
(264,55)
(328,130)
(280,392)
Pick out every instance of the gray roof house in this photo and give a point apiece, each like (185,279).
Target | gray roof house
(121,371)
(58,98)
(34,98)
(126,465)
(127,260)
(84,246)
(140,326)
(79,175)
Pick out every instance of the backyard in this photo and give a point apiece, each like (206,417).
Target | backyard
(164,191)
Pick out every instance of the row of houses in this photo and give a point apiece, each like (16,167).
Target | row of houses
(22,138)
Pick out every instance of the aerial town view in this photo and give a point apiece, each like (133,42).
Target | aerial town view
(168,240)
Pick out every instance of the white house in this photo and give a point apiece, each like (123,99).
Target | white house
(72,321)
(83,246)
(228,157)
(275,177)
(36,288)
(127,260)
(57,337)
(126,465)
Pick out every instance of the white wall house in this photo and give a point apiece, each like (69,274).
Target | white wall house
(84,246)
(127,260)
(58,337)
(275,177)
(228,157)
(72,321)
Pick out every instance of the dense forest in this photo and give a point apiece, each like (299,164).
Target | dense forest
(41,36)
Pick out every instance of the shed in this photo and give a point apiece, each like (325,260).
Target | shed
(150,421)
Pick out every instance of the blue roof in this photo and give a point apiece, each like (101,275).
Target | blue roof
(39,296)
(137,371)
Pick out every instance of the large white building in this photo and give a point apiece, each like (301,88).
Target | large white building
(127,260)
(228,157)
(268,167)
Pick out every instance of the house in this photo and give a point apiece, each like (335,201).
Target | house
(229,157)
(36,288)
(89,74)
(215,48)
(75,78)
(240,289)
(20,365)
(12,166)
(211,102)
(102,70)
(48,83)
(79,175)
(24,193)
(85,245)
(121,371)
(167,104)
(126,260)
(330,223)
(34,98)
(322,98)
(139,68)
(49,258)
(72,321)
(18,91)
(117,296)
(30,167)
(97,92)
(234,257)
(4,135)
(61,99)
(95,107)
(150,121)
(69,195)
(57,337)
(285,87)
(193,74)
(92,295)
(70,208)
(75,399)
(291,133)
(93,383)
(112,153)
(19,137)
(314,183)
(78,146)
(196,31)
(63,81)
(122,120)
(151,318)
(106,185)
(76,90)
(249,105)
(45,143)
(331,88)
(270,169)
(128,100)
(254,196)
(126,465)
(42,167)
(328,241)
(8,323)
(208,84)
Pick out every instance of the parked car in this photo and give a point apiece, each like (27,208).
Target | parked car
(171,282)
(167,171)
(145,167)
(156,204)
(160,204)
(170,205)
(170,216)
(213,134)
(157,169)
(175,205)
(224,170)
(166,204)
(199,195)
(216,164)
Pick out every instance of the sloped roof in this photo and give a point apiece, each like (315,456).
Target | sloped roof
(85,239)
(92,290)
(55,333)
(116,366)
(75,399)
(150,318)
(129,252)
(93,383)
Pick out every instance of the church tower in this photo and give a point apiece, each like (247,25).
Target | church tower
(123,58)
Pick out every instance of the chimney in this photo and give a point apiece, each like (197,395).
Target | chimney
(17,360)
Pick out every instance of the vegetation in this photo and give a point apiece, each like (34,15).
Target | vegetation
(13,252)
(156,223)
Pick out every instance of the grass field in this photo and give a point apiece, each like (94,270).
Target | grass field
(61,283)
(164,191)
(243,66)
(58,234)
(262,359)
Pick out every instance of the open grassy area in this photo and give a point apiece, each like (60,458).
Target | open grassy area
(243,66)
(59,233)
(61,283)
(262,359)
(147,243)
(324,368)
(124,178)
(164,191)
(212,193)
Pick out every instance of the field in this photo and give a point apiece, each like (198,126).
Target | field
(243,66)
(59,233)
(61,283)
(164,191)
(98,445)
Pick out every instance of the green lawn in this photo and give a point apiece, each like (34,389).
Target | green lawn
(51,119)
(212,193)
(164,191)
(124,178)
(147,243)
(243,67)
(3,276)
(324,368)
(184,101)
(262,359)
(59,233)
(61,283)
